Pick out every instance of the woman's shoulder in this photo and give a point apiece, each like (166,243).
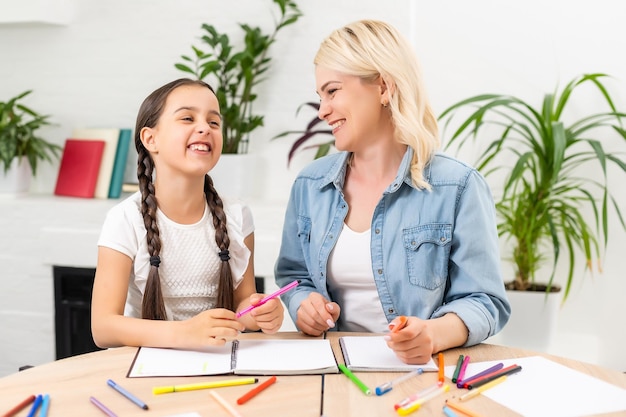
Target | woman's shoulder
(446,168)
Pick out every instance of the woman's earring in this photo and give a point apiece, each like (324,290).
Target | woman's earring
(385,104)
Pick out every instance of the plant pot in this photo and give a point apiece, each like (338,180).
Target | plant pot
(16,181)
(533,319)
(239,176)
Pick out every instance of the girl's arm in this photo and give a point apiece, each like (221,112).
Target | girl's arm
(111,328)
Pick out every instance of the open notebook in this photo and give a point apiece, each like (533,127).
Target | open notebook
(371,353)
(241,357)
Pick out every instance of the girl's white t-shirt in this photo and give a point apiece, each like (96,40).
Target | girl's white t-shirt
(190,264)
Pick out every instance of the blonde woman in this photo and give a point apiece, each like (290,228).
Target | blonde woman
(389,226)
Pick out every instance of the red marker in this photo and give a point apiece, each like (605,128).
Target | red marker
(20,406)
(254,391)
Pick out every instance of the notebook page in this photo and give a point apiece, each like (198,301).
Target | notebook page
(152,362)
(285,357)
(371,353)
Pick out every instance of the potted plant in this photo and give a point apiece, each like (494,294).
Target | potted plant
(235,73)
(20,146)
(304,136)
(555,196)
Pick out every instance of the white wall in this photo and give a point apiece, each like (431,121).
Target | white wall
(96,70)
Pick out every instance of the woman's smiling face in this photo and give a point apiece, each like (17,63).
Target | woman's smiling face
(351,106)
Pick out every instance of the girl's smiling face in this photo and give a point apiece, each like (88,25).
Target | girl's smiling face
(188,135)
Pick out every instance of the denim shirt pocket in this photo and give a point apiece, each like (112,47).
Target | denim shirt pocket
(427,250)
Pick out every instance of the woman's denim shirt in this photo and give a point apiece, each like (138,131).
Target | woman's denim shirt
(433,252)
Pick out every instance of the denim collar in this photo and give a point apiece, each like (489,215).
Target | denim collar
(337,173)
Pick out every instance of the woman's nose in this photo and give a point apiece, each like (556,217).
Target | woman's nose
(324,110)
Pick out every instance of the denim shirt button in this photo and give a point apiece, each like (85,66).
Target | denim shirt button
(442,239)
(330,236)
(391,311)
(380,271)
(377,231)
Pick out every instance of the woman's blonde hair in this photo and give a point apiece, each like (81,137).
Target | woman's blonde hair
(370,49)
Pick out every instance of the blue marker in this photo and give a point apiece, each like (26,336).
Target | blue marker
(127,394)
(387,386)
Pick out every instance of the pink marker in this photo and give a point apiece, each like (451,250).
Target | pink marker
(282,290)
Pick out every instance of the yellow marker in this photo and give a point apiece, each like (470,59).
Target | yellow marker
(204,385)
(414,406)
(482,388)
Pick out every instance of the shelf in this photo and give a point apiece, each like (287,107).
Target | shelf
(56,12)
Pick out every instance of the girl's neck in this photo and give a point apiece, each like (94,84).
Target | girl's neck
(182,203)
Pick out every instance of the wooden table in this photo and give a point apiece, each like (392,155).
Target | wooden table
(70,382)
(341,399)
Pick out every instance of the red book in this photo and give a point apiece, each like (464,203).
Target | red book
(80,165)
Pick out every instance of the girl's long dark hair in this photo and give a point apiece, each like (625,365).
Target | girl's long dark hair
(153,306)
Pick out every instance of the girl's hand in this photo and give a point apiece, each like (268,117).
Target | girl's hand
(316,314)
(209,328)
(269,316)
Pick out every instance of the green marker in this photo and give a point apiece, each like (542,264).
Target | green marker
(455,376)
(354,379)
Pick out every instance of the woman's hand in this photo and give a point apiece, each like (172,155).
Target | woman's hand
(412,344)
(419,339)
(316,314)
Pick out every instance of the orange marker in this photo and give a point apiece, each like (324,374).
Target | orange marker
(441,366)
(400,322)
(247,396)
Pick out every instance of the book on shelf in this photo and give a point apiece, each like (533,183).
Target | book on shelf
(240,357)
(371,354)
(119,163)
(111,137)
(79,168)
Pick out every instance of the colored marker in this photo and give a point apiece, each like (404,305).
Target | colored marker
(414,406)
(473,393)
(35,407)
(45,406)
(399,324)
(354,379)
(488,379)
(102,407)
(459,363)
(204,385)
(282,290)
(441,365)
(462,371)
(254,391)
(448,412)
(414,397)
(461,409)
(388,386)
(19,407)
(229,408)
(482,374)
(127,394)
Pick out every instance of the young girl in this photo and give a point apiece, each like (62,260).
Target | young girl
(175,261)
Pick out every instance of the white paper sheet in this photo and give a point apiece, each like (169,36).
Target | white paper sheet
(545,388)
